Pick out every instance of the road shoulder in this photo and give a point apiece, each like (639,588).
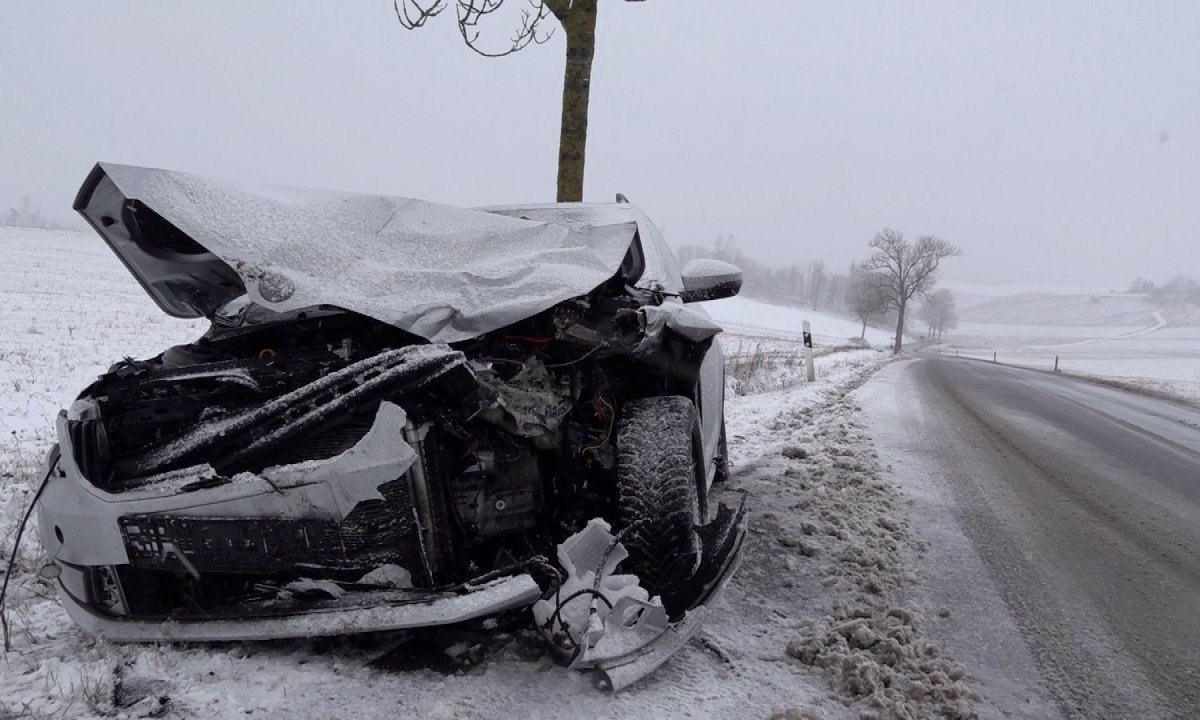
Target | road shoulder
(971,621)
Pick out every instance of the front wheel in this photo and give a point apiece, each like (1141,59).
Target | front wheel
(659,465)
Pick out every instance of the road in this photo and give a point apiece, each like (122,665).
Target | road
(1064,527)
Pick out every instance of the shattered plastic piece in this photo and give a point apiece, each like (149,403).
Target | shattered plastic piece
(575,619)
(636,637)
(630,626)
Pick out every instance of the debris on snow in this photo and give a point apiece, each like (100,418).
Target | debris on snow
(389,576)
(308,587)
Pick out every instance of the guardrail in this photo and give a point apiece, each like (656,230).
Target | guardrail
(1014,358)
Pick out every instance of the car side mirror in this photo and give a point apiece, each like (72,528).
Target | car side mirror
(705,279)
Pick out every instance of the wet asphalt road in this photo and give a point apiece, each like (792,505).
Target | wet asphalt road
(1083,504)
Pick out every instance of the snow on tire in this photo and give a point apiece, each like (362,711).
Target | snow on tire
(658,462)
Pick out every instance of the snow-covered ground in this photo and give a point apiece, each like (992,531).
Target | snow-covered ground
(1120,338)
(822,620)
(748,319)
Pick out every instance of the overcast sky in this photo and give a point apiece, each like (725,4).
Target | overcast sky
(1053,141)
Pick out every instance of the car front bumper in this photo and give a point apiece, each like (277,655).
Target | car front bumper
(370,612)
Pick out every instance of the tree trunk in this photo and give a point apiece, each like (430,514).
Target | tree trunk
(580,29)
(863,336)
(899,331)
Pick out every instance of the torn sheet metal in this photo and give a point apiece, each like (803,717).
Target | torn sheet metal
(443,273)
(354,475)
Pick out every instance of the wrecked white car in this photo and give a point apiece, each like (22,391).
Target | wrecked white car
(399,414)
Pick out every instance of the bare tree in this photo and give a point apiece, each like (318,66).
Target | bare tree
(940,313)
(907,269)
(577,19)
(868,296)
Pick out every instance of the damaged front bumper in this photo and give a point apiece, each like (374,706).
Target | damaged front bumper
(623,665)
(624,635)
(372,611)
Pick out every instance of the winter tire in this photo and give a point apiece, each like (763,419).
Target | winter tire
(659,463)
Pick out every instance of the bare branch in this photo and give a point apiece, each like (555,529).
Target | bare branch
(421,11)
(470,12)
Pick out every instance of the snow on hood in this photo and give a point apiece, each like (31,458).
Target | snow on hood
(440,272)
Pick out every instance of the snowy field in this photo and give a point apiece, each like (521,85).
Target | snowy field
(1122,339)
(747,320)
(760,341)
(819,623)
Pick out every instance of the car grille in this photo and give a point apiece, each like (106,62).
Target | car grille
(374,533)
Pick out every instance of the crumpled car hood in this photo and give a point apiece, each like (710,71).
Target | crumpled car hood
(443,273)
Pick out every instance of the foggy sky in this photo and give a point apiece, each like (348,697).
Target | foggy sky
(1054,142)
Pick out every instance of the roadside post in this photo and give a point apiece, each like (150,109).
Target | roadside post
(810,370)
(1055,363)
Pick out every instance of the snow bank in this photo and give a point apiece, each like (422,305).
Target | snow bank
(842,542)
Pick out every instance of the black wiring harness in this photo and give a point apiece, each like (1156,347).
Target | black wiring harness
(594,592)
(12,561)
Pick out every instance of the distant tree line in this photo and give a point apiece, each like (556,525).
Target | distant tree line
(810,283)
(1179,289)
